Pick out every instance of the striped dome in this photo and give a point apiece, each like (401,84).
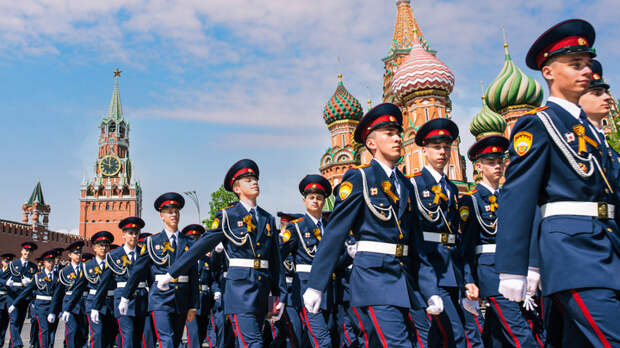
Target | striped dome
(421,71)
(512,87)
(487,122)
(342,105)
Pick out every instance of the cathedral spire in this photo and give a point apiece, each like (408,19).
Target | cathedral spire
(37,195)
(406,27)
(115,112)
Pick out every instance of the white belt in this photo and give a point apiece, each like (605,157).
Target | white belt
(249,263)
(85,293)
(485,249)
(289,280)
(397,250)
(123,284)
(19,285)
(204,287)
(436,237)
(599,210)
(94,292)
(43,297)
(303,268)
(2,292)
(179,279)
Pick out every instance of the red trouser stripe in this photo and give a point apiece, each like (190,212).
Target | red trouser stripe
(359,320)
(501,315)
(444,334)
(477,323)
(121,333)
(417,335)
(376,323)
(155,327)
(316,344)
(589,318)
(209,339)
(467,339)
(90,331)
(40,338)
(346,334)
(239,330)
(189,342)
(290,329)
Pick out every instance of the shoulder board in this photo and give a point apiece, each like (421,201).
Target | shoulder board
(534,111)
(228,206)
(414,174)
(471,192)
(362,166)
(297,220)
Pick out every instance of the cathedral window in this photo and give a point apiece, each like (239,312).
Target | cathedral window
(107,206)
(426,114)
(94,207)
(112,127)
(122,129)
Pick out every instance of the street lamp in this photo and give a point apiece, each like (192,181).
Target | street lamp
(194,196)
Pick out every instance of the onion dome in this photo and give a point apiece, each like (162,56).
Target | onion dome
(342,105)
(421,71)
(487,122)
(513,88)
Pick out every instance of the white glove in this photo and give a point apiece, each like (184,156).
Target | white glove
(280,308)
(10,282)
(352,250)
(529,304)
(219,248)
(65,316)
(11,308)
(512,286)
(123,306)
(435,305)
(26,281)
(94,316)
(162,284)
(51,318)
(533,280)
(217,296)
(472,307)
(312,300)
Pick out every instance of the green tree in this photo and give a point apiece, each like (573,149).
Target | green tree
(219,199)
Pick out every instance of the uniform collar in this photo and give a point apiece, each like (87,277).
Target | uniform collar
(127,250)
(491,190)
(571,108)
(247,206)
(386,168)
(98,260)
(315,220)
(169,234)
(436,175)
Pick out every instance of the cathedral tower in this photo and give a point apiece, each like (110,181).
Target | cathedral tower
(113,194)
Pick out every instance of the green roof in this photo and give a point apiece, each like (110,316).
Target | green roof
(36,196)
(115,111)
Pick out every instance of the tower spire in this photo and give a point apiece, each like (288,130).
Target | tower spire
(406,28)
(115,111)
(505,42)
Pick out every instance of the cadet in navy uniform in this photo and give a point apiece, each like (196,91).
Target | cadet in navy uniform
(4,276)
(504,324)
(302,237)
(101,323)
(374,201)
(118,266)
(197,328)
(148,336)
(596,101)
(20,275)
(436,201)
(557,161)
(170,307)
(43,287)
(249,236)
(72,303)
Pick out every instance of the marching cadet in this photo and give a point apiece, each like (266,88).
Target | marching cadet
(557,161)
(197,328)
(596,101)
(118,267)
(374,201)
(436,201)
(20,275)
(43,287)
(505,325)
(170,308)
(149,334)
(5,259)
(102,326)
(249,237)
(302,237)
(73,312)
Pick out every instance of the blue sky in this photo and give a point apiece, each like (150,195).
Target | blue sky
(206,83)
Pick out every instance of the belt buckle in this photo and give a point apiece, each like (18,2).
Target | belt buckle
(399,250)
(256,263)
(174,280)
(603,211)
(444,238)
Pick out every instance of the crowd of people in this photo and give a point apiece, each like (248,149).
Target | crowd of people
(529,258)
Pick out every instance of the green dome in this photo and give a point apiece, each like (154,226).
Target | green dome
(513,87)
(487,122)
(342,106)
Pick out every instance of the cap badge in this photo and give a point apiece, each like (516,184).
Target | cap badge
(582,42)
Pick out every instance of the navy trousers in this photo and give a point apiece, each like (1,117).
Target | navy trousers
(168,328)
(4,322)
(102,334)
(131,331)
(594,312)
(196,331)
(249,330)
(392,327)
(422,324)
(76,331)
(225,329)
(447,328)
(17,317)
(317,330)
(473,329)
(46,332)
(149,337)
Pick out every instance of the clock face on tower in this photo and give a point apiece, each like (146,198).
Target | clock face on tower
(109,165)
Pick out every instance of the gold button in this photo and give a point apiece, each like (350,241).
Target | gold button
(402,264)
(609,229)
(381,204)
(400,236)
(259,277)
(176,287)
(257,243)
(607,191)
(258,255)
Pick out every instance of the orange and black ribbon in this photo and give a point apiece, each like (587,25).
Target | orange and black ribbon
(582,138)
(167,246)
(493,201)
(387,188)
(438,194)
(247,220)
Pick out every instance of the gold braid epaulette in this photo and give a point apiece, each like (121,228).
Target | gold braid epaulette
(362,166)
(470,192)
(297,220)
(413,174)
(534,111)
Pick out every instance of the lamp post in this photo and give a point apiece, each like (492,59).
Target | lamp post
(194,196)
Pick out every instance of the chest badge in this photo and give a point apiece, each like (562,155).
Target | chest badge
(239,223)
(426,193)
(374,191)
(307,235)
(570,137)
(464,213)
